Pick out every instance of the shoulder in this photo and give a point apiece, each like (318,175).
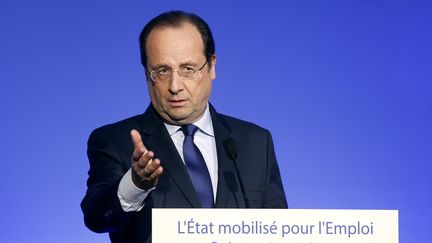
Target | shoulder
(243,128)
(118,129)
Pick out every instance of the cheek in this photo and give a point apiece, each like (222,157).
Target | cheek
(156,94)
(202,92)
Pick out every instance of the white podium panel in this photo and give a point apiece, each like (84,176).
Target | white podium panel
(274,226)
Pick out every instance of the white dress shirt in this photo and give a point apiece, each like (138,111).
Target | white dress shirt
(132,198)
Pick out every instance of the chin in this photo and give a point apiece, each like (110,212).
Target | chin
(178,117)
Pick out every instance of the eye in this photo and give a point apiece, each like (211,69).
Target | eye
(188,69)
(163,71)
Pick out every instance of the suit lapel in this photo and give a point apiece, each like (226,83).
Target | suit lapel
(227,180)
(159,141)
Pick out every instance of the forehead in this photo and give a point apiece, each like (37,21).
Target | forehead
(174,44)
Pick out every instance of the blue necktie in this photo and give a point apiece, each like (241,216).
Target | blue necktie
(197,167)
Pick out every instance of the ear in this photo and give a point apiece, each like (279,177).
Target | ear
(213,67)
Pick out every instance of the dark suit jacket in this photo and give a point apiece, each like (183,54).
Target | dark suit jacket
(110,149)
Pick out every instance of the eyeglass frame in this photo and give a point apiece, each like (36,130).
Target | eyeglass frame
(174,70)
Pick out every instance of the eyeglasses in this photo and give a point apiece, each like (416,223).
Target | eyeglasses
(186,72)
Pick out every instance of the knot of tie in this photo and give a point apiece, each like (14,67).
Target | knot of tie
(189,130)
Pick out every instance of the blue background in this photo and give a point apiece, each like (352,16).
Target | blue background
(344,86)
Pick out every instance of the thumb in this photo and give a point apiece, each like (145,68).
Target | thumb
(139,148)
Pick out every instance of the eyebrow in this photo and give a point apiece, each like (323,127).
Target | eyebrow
(187,63)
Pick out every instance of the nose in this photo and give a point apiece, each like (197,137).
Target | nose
(175,84)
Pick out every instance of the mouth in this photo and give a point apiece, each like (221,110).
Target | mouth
(177,103)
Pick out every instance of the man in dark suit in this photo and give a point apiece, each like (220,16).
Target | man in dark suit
(173,155)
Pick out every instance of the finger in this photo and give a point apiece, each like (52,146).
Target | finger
(148,177)
(147,156)
(148,169)
(153,178)
(139,148)
(144,172)
(145,159)
(152,165)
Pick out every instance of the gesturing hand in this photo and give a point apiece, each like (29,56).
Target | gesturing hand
(145,169)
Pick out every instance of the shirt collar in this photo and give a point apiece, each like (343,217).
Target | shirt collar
(204,124)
